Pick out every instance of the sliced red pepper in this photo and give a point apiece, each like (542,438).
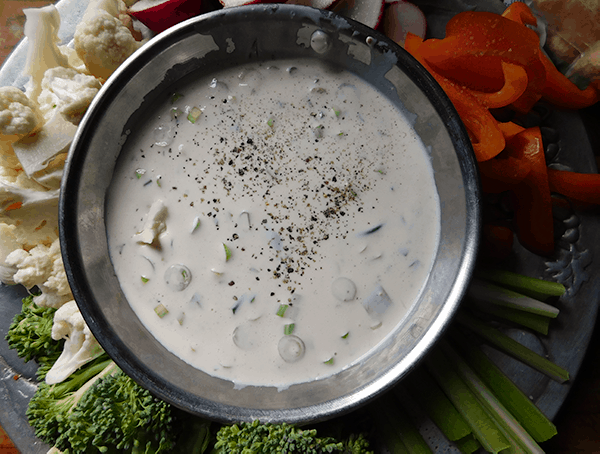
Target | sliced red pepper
(515,84)
(475,45)
(532,199)
(582,187)
(486,137)
(509,168)
(561,92)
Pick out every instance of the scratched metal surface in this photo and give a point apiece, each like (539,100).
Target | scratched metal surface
(572,265)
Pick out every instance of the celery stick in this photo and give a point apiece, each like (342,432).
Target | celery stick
(513,348)
(535,322)
(392,410)
(530,417)
(484,428)
(434,402)
(536,288)
(390,435)
(486,292)
(468,444)
(505,420)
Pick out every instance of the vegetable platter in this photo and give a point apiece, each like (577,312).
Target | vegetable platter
(573,264)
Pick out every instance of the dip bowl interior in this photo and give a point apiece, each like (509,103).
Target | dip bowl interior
(229,38)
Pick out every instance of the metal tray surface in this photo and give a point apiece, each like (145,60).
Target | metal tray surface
(572,264)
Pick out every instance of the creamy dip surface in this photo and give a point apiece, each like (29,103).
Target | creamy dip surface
(271,224)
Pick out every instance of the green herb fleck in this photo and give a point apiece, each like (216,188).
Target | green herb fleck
(176,97)
(227,252)
(281,310)
(161,310)
(145,279)
(289,329)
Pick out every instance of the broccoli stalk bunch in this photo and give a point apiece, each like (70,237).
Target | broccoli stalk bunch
(30,334)
(101,409)
(265,438)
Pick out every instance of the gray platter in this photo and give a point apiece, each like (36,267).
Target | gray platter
(572,264)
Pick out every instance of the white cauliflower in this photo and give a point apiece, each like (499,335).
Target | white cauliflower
(155,225)
(80,344)
(43,53)
(19,116)
(102,40)
(42,267)
(67,92)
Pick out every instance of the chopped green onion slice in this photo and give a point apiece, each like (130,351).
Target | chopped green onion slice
(271,122)
(289,329)
(329,361)
(337,112)
(145,279)
(281,310)
(194,115)
(345,336)
(158,181)
(196,224)
(139,173)
(227,252)
(161,310)
(175,97)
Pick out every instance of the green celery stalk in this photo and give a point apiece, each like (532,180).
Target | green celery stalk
(468,444)
(434,402)
(530,416)
(390,435)
(540,289)
(487,293)
(535,322)
(392,410)
(513,348)
(507,423)
(484,428)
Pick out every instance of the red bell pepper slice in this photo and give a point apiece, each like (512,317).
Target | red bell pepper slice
(531,197)
(515,84)
(487,139)
(475,45)
(582,187)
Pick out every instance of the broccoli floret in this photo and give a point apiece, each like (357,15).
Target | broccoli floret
(257,438)
(117,415)
(49,408)
(30,334)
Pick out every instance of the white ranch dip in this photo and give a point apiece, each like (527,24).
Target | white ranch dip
(284,232)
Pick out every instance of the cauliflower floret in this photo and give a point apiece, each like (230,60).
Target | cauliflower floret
(102,40)
(18,115)
(42,267)
(155,224)
(68,92)
(41,30)
(80,345)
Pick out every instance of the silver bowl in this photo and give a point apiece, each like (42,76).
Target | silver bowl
(264,32)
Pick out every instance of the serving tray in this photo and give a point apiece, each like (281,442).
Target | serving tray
(572,264)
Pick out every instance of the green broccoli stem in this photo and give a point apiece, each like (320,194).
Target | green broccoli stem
(81,382)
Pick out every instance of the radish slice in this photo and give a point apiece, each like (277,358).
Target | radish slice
(158,15)
(368,12)
(402,17)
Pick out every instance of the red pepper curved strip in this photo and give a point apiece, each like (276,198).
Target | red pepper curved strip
(486,137)
(515,84)
(520,13)
(510,129)
(582,187)
(509,168)
(475,45)
(561,92)
(532,198)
